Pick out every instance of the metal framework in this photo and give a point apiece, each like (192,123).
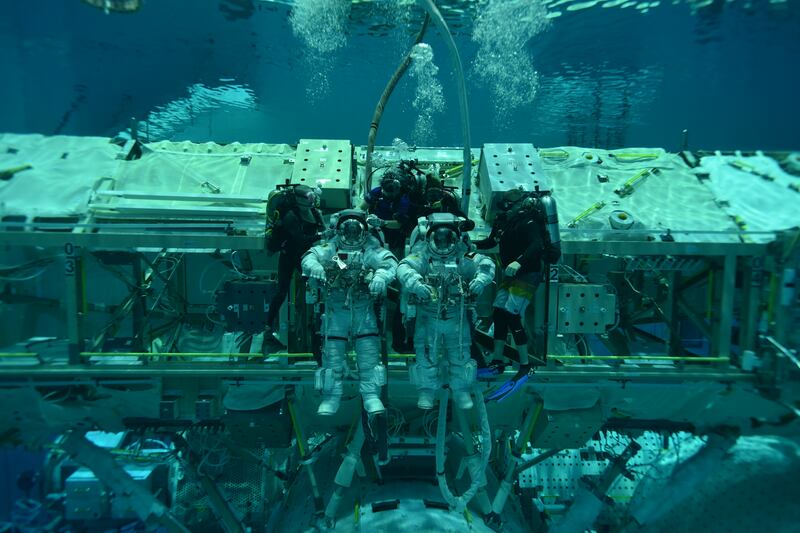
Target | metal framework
(628,374)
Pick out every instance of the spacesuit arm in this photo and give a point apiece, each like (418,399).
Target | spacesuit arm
(313,261)
(385,265)
(482,273)
(485,269)
(409,271)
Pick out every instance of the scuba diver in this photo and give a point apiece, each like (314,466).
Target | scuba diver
(429,193)
(396,202)
(441,199)
(443,276)
(527,233)
(351,271)
(393,202)
(295,224)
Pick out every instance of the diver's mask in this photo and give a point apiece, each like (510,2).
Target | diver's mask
(391,186)
(434,196)
(306,199)
(518,202)
(510,198)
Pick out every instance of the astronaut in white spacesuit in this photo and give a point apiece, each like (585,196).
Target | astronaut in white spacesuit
(443,275)
(351,270)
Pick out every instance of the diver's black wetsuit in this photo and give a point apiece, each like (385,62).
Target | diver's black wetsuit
(292,236)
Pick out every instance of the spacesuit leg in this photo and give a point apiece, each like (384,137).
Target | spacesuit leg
(463,369)
(371,373)
(426,370)
(330,376)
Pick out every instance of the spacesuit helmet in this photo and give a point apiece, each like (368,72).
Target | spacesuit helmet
(444,233)
(351,229)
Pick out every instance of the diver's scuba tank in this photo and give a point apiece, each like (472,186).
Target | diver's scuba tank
(551,219)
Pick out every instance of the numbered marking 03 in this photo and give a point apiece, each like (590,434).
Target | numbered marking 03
(71,263)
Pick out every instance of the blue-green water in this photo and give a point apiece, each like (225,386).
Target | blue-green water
(235,70)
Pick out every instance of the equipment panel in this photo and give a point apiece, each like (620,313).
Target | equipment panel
(326,163)
(585,308)
(509,166)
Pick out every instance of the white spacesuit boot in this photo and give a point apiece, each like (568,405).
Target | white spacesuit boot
(425,398)
(330,401)
(427,382)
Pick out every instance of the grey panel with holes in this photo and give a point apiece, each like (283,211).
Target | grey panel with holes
(508,166)
(557,477)
(329,164)
(585,308)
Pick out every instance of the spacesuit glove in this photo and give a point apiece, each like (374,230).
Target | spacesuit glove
(512,269)
(316,272)
(477,285)
(422,291)
(377,287)
(495,368)
(511,386)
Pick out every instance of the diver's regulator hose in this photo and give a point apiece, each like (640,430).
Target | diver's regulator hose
(436,16)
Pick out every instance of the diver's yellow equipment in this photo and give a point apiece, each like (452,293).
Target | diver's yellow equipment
(596,207)
(744,167)
(8,173)
(631,157)
(628,187)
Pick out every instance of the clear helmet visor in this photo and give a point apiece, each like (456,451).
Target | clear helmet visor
(351,232)
(443,240)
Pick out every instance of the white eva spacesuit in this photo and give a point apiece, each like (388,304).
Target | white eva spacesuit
(443,275)
(351,270)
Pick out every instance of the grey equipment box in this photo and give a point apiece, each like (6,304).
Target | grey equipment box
(508,166)
(87,497)
(329,164)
